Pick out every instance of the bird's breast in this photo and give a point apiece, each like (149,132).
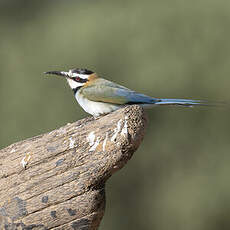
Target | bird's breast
(95,108)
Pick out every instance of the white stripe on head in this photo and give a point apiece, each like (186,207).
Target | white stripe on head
(71,74)
(83,76)
(74,74)
(83,73)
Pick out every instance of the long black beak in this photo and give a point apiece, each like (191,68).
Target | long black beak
(59,73)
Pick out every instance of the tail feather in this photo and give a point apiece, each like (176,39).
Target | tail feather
(182,102)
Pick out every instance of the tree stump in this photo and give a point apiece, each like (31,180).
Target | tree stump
(57,180)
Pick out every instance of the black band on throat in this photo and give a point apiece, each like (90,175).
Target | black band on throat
(76,89)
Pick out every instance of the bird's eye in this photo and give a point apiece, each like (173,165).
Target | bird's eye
(77,79)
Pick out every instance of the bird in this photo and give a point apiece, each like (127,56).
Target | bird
(98,96)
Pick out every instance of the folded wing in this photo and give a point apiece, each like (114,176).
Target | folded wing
(115,94)
(109,92)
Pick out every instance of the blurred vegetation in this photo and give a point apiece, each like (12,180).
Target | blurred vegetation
(179,177)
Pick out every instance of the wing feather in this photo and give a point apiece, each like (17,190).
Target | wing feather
(109,92)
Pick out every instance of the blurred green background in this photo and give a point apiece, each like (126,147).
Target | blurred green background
(179,177)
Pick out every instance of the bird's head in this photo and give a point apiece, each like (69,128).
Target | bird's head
(76,77)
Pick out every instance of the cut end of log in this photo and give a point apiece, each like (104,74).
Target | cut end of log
(56,180)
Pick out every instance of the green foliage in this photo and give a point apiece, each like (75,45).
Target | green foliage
(179,178)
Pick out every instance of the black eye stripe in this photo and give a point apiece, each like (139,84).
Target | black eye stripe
(80,80)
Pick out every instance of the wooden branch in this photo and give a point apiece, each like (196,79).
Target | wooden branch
(63,185)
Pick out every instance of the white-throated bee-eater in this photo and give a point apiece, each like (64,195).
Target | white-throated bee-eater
(99,96)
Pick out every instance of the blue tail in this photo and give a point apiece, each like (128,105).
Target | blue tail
(181,102)
(132,97)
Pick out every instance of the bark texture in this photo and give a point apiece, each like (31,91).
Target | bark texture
(57,180)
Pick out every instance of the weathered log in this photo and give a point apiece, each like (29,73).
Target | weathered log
(57,180)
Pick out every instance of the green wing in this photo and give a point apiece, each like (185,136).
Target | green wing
(109,92)
(106,91)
